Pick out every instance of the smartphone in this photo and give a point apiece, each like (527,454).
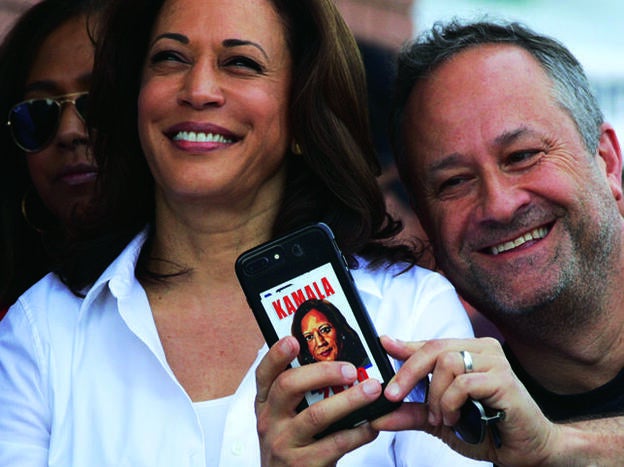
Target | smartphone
(300,285)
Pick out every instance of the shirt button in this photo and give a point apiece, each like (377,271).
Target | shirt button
(238,448)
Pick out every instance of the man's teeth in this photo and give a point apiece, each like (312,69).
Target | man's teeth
(198,137)
(535,234)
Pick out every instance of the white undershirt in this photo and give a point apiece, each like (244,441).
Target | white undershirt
(212,416)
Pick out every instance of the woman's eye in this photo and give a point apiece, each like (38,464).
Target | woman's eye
(326,329)
(308,337)
(244,63)
(166,56)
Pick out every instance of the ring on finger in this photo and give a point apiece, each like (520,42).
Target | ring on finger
(468,368)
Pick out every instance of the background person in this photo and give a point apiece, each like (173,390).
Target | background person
(219,124)
(324,334)
(516,179)
(47,176)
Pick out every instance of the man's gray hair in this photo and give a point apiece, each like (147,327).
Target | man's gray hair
(571,88)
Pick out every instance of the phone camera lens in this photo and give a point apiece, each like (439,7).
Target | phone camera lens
(297,250)
(257,265)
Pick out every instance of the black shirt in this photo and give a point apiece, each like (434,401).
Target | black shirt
(606,400)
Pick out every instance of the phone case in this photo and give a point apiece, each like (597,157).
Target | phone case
(300,285)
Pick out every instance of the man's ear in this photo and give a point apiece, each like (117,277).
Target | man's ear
(610,153)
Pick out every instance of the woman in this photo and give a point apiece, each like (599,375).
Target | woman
(47,175)
(324,335)
(218,125)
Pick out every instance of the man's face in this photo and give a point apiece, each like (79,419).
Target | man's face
(517,210)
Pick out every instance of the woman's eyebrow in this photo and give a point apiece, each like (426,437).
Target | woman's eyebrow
(226,43)
(41,86)
(173,36)
(240,42)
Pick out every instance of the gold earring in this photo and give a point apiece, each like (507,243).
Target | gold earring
(27,218)
(295,148)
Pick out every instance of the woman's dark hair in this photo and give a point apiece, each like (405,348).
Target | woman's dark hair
(25,253)
(350,348)
(332,181)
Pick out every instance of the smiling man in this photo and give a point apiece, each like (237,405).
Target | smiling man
(516,179)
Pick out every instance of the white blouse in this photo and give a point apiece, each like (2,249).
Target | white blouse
(85,381)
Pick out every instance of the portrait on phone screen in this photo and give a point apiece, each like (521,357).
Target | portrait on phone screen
(313,307)
(324,335)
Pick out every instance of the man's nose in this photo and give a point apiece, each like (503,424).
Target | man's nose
(501,198)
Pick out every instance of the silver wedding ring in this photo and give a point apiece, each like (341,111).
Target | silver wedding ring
(467,361)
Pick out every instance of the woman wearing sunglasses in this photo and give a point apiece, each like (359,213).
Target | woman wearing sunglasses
(46,174)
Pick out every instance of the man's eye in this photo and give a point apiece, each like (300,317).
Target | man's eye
(523,156)
(451,183)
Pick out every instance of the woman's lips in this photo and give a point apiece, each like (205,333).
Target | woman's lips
(78,175)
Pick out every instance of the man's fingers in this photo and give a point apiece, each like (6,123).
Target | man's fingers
(400,350)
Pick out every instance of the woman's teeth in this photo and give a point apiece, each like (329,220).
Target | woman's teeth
(198,137)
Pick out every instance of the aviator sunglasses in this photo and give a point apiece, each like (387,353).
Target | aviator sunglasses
(474,421)
(34,122)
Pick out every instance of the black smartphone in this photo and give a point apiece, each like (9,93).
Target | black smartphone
(300,285)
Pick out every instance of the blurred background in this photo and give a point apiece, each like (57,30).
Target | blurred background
(9,9)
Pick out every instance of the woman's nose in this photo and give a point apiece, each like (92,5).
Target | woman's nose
(319,339)
(202,87)
(72,130)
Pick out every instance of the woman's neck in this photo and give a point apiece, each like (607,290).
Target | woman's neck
(207,242)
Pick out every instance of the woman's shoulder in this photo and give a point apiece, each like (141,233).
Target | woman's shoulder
(50,301)
(47,297)
(43,316)
(49,287)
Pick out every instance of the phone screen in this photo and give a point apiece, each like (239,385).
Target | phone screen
(313,308)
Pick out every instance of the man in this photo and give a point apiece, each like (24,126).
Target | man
(516,179)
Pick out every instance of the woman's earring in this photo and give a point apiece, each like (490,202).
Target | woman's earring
(29,218)
(295,148)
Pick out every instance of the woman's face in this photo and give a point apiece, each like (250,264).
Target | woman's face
(213,105)
(62,172)
(321,336)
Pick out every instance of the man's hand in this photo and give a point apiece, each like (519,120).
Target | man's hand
(527,435)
